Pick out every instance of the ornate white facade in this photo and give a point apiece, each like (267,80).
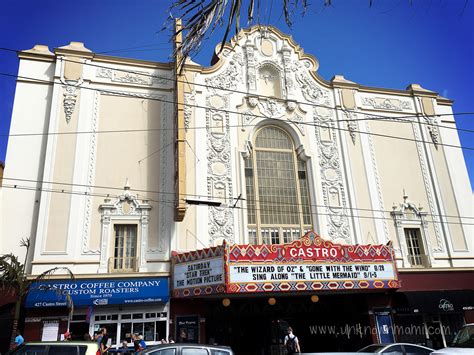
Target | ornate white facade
(371,154)
(362,179)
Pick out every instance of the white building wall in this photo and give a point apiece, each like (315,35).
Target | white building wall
(25,156)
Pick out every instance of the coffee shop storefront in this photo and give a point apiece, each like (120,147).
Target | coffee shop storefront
(82,306)
(335,297)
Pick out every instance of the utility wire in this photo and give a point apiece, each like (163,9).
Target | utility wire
(239,113)
(98,187)
(135,47)
(85,193)
(378,117)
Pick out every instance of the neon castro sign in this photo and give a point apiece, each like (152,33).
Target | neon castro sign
(312,252)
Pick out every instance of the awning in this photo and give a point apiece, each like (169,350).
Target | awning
(97,292)
(433,302)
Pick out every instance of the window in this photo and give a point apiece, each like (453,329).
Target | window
(278,202)
(416,255)
(125,247)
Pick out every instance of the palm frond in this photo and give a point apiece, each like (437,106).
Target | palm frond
(11,271)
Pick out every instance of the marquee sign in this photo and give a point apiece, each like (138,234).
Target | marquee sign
(308,264)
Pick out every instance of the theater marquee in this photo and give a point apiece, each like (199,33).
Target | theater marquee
(307,264)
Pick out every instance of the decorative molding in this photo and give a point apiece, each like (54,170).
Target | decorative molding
(219,174)
(165,211)
(427,181)
(373,160)
(137,78)
(69,101)
(408,214)
(431,126)
(90,178)
(382,103)
(351,125)
(124,205)
(334,194)
(311,92)
(189,100)
(250,52)
(230,77)
(271,108)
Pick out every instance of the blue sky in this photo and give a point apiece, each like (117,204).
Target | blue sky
(390,44)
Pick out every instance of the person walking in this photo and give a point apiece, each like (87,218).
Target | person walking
(18,339)
(291,342)
(104,342)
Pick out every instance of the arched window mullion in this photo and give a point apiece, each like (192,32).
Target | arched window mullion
(279,204)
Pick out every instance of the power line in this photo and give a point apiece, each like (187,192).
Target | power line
(376,116)
(285,100)
(135,47)
(85,193)
(206,196)
(239,113)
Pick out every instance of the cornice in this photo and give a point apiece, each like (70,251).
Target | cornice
(38,52)
(115,275)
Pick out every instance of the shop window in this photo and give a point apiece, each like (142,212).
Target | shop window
(126,316)
(137,315)
(125,247)
(278,201)
(416,254)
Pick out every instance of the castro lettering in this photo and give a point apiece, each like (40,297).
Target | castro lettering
(314,252)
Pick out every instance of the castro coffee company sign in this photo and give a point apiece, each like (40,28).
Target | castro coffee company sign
(308,264)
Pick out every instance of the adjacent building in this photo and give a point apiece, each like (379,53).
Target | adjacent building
(151,183)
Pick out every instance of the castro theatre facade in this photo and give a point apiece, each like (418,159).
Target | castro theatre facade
(335,297)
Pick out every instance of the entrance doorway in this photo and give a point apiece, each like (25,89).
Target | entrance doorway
(253,326)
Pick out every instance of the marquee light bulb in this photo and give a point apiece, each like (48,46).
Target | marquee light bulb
(226,302)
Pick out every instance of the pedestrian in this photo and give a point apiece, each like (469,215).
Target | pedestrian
(19,340)
(67,336)
(141,342)
(124,348)
(291,342)
(98,338)
(104,342)
(136,342)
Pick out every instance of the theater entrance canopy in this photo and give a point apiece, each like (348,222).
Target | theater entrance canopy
(304,265)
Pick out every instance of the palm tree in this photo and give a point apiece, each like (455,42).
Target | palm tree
(201,17)
(14,280)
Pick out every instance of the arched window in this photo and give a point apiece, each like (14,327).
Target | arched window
(278,203)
